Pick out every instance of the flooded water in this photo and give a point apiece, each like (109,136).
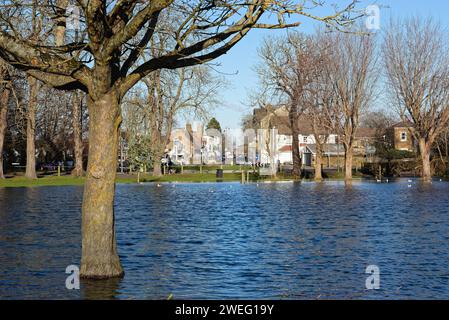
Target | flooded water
(233,241)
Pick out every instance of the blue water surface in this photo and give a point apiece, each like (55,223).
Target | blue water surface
(233,241)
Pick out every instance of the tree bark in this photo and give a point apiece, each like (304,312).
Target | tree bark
(296,157)
(158,148)
(424,148)
(77,138)
(318,165)
(4,98)
(348,163)
(99,252)
(30,171)
(295,141)
(157,172)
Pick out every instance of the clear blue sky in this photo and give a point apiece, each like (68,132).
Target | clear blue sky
(241,59)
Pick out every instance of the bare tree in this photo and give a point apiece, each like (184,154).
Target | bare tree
(351,77)
(319,112)
(60,30)
(317,99)
(288,70)
(417,64)
(168,94)
(5,94)
(37,20)
(187,90)
(107,64)
(442,148)
(77,125)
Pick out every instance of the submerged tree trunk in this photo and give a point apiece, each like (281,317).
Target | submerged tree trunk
(424,148)
(30,171)
(4,98)
(77,138)
(99,253)
(348,163)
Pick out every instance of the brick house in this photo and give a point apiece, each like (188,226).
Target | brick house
(402,136)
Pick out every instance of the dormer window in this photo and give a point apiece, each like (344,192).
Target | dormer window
(403,136)
(305,139)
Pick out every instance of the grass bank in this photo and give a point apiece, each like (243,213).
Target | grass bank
(67,180)
(20,181)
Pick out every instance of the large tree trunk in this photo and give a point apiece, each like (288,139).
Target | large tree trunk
(424,148)
(157,153)
(30,171)
(318,165)
(78,143)
(157,172)
(99,253)
(4,98)
(293,117)
(348,163)
(296,157)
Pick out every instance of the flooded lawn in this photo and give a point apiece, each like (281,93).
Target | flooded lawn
(233,241)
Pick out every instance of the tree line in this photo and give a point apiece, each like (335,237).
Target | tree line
(335,78)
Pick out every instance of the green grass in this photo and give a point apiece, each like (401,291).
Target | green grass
(20,181)
(71,181)
(45,181)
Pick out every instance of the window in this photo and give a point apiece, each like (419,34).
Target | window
(403,136)
(305,139)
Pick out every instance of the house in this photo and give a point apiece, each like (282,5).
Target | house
(277,119)
(193,146)
(181,145)
(333,155)
(401,135)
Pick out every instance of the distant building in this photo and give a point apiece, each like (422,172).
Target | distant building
(194,146)
(277,118)
(402,137)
